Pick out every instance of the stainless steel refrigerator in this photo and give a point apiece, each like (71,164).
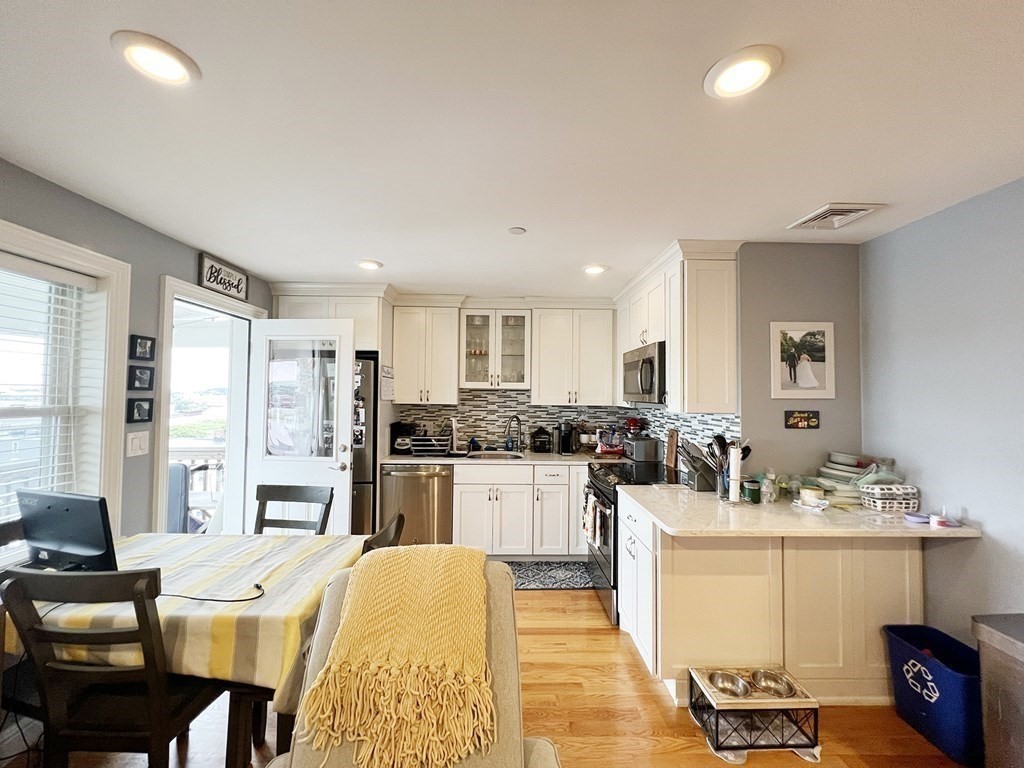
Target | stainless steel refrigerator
(364,444)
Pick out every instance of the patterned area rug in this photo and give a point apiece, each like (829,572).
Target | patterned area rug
(535,574)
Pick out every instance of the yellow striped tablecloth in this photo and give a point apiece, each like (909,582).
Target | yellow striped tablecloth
(257,642)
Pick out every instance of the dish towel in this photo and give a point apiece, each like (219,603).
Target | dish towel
(407,678)
(590,517)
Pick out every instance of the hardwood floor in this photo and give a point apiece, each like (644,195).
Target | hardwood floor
(585,688)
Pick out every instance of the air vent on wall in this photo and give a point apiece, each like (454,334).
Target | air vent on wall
(835,215)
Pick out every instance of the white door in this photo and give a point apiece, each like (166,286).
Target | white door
(550,523)
(409,353)
(594,363)
(655,293)
(300,414)
(476,359)
(577,491)
(513,520)
(441,377)
(471,516)
(644,612)
(627,581)
(512,349)
(551,369)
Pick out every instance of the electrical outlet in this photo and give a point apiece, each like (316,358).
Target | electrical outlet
(138,444)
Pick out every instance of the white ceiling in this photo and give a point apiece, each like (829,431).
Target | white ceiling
(416,132)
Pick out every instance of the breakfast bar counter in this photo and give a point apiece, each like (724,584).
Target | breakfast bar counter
(706,583)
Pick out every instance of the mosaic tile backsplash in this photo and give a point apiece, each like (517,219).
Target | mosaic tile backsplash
(482,413)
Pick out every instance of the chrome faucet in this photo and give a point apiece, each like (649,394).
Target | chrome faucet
(508,430)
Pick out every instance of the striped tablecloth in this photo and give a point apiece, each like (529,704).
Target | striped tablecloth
(257,642)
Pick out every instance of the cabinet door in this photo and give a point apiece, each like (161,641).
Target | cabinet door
(637,320)
(627,581)
(592,357)
(441,378)
(512,524)
(645,611)
(709,336)
(654,290)
(301,308)
(409,354)
(477,349)
(471,516)
(673,277)
(511,354)
(364,310)
(577,491)
(552,357)
(550,519)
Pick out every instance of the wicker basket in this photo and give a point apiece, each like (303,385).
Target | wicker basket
(889,498)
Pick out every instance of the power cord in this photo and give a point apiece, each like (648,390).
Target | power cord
(257,586)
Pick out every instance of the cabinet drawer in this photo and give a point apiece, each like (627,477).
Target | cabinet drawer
(494,474)
(551,474)
(637,521)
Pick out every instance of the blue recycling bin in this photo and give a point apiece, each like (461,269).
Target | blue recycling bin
(936,682)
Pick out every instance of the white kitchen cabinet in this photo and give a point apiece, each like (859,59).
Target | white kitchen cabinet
(673,278)
(371,315)
(495,349)
(301,307)
(512,522)
(572,360)
(647,313)
(577,491)
(626,593)
(637,584)
(838,593)
(645,613)
(710,345)
(471,516)
(551,519)
(426,344)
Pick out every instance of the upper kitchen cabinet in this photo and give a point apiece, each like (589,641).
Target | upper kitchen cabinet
(426,346)
(572,357)
(647,314)
(371,314)
(495,350)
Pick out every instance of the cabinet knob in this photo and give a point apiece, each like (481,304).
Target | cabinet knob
(421,395)
(490,492)
(570,397)
(498,377)
(537,497)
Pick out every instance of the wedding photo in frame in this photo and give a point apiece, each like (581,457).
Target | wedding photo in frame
(803,361)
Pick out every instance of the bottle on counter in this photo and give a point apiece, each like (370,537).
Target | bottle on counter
(768,487)
(794,487)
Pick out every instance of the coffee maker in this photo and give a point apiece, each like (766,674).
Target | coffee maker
(568,438)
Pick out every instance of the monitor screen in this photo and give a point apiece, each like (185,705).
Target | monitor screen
(67,531)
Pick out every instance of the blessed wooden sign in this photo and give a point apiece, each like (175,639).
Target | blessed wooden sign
(218,276)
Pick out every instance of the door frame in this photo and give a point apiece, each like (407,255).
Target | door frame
(171,288)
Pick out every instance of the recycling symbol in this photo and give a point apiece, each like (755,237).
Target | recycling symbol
(912,670)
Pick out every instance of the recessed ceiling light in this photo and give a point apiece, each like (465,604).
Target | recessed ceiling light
(369,264)
(517,230)
(742,72)
(155,58)
(594,269)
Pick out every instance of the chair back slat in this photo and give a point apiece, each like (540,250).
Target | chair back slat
(75,636)
(388,536)
(302,494)
(85,586)
(87,674)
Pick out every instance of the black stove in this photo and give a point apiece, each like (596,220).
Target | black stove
(602,545)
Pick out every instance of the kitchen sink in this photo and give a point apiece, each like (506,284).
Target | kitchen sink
(500,455)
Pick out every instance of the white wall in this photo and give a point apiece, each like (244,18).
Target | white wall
(942,302)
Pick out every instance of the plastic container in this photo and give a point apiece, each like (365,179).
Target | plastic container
(936,681)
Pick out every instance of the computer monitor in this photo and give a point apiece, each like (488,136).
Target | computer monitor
(67,531)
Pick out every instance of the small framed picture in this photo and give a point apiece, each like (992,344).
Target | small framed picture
(141,348)
(140,410)
(140,378)
(803,361)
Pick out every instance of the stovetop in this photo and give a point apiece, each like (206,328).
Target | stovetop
(607,476)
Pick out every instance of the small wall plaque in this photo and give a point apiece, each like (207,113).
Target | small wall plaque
(803,419)
(218,276)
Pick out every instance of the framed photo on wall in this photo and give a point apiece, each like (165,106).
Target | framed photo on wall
(140,378)
(803,361)
(140,410)
(141,348)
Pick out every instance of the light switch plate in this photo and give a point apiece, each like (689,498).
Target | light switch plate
(138,444)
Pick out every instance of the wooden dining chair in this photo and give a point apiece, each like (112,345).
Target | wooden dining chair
(388,536)
(307,494)
(95,706)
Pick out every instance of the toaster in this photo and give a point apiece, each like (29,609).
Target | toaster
(643,448)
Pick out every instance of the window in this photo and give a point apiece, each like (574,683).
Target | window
(52,348)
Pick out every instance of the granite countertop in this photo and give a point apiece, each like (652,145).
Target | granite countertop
(681,512)
(583,457)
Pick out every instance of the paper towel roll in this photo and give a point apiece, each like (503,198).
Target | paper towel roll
(735,472)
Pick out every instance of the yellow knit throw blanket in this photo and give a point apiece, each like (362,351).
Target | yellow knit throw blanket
(407,678)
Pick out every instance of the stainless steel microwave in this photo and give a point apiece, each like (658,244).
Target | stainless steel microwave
(643,374)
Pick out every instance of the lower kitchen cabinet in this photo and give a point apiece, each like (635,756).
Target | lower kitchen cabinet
(471,515)
(636,593)
(550,519)
(512,531)
(577,492)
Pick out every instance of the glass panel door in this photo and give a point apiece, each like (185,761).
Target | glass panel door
(477,333)
(514,349)
(300,398)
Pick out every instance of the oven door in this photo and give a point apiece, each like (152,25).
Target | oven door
(643,374)
(601,559)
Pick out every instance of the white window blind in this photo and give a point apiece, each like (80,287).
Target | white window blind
(52,346)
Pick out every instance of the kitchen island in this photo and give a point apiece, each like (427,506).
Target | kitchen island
(708,583)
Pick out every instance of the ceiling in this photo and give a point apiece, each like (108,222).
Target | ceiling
(416,133)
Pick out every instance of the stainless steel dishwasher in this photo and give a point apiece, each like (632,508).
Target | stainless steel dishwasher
(423,493)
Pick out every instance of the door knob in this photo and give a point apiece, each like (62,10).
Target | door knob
(341,467)
(342,448)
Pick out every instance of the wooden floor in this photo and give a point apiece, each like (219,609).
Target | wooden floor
(585,688)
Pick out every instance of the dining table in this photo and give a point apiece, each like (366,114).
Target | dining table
(237,608)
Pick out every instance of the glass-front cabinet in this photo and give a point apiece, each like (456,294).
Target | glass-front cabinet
(495,349)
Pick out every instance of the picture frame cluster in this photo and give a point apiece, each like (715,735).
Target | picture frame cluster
(141,378)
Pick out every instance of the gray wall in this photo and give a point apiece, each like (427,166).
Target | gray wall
(33,202)
(943,339)
(798,282)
